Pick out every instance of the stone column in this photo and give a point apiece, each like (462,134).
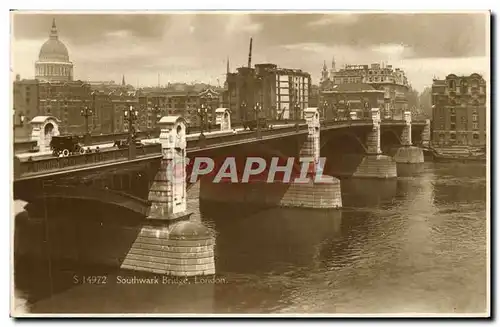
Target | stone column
(167,242)
(310,149)
(373,137)
(319,191)
(374,164)
(406,134)
(223,116)
(426,134)
(168,192)
(408,154)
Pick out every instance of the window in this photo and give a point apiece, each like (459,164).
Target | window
(452,126)
(475,126)
(453,136)
(475,136)
(452,111)
(453,119)
(474,117)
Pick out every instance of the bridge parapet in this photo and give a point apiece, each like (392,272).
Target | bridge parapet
(35,167)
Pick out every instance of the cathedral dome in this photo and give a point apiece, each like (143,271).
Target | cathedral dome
(53,50)
(53,63)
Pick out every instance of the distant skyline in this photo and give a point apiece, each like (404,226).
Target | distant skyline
(188,47)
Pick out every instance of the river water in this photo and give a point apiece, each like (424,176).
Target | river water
(411,245)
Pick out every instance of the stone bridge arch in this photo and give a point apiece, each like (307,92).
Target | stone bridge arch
(43,129)
(94,194)
(344,141)
(389,138)
(240,157)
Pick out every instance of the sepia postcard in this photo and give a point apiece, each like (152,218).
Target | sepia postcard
(242,164)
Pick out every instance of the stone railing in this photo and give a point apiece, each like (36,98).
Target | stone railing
(24,146)
(208,141)
(345,122)
(34,167)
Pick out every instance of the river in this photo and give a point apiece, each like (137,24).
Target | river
(411,245)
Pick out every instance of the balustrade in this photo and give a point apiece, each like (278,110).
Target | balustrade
(56,163)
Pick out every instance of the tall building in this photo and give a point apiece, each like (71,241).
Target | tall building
(157,102)
(281,93)
(392,81)
(459,110)
(53,63)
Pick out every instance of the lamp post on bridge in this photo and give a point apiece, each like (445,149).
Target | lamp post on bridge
(156,115)
(131,115)
(243,110)
(348,110)
(297,111)
(86,112)
(366,107)
(202,112)
(325,105)
(257,109)
(21,121)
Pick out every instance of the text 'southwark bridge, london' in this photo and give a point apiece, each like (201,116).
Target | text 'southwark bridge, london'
(359,189)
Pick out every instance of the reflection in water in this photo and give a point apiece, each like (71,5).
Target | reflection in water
(408,170)
(415,244)
(361,193)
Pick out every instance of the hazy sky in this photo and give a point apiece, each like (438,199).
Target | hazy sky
(194,47)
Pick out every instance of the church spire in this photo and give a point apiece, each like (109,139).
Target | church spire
(123,80)
(53,30)
(227,68)
(333,70)
(324,73)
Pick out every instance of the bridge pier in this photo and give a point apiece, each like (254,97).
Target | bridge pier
(374,164)
(168,243)
(408,154)
(310,190)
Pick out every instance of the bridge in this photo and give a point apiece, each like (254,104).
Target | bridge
(152,200)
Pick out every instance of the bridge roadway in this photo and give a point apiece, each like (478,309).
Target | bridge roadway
(104,147)
(51,166)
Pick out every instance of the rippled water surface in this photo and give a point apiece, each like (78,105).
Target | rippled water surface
(411,245)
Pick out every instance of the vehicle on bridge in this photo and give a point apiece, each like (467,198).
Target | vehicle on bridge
(67,145)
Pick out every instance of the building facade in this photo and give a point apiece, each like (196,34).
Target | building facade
(345,98)
(280,93)
(459,114)
(54,92)
(64,100)
(392,81)
(158,102)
